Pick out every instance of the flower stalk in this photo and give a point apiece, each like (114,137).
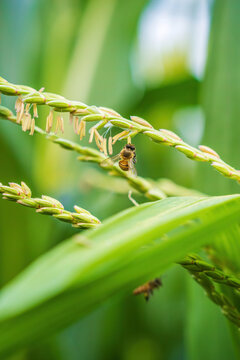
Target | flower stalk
(91,155)
(106,116)
(47,205)
(206,275)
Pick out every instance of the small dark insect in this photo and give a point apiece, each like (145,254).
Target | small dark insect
(147,289)
(126,159)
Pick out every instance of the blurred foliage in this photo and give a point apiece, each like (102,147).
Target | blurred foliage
(219,92)
(84,49)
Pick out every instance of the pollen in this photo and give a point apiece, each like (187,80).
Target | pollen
(35,111)
(19,106)
(119,135)
(70,118)
(98,140)
(75,124)
(92,131)
(32,127)
(60,124)
(82,129)
(49,122)
(110,147)
(26,122)
(27,107)
(104,146)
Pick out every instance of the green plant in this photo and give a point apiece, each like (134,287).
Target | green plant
(84,271)
(125,250)
(106,116)
(46,205)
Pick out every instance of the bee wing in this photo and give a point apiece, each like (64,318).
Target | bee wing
(132,169)
(113,159)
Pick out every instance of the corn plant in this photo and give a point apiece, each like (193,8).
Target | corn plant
(113,257)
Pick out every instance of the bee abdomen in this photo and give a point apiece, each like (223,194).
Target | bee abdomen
(123,164)
(141,289)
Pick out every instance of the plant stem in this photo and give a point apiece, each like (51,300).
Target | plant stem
(47,205)
(205,274)
(91,155)
(108,116)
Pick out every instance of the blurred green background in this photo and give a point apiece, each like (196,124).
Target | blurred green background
(173,62)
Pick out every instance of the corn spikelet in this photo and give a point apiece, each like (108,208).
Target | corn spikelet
(60,123)
(70,118)
(27,107)
(171,133)
(75,124)
(32,127)
(208,150)
(110,148)
(20,110)
(26,122)
(92,131)
(49,121)
(83,129)
(119,135)
(140,121)
(98,139)
(35,111)
(104,146)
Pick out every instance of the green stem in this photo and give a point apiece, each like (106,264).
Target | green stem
(143,186)
(132,127)
(47,205)
(205,275)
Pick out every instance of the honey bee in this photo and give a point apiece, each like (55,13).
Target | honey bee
(147,289)
(127,159)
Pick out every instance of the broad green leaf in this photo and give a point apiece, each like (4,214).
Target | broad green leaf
(129,248)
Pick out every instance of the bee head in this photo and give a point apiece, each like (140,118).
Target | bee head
(158,282)
(130,147)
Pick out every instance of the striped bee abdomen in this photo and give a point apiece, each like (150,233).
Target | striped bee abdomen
(124,165)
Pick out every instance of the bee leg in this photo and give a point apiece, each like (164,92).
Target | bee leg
(131,198)
(146,295)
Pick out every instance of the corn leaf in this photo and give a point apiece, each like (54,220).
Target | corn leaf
(129,248)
